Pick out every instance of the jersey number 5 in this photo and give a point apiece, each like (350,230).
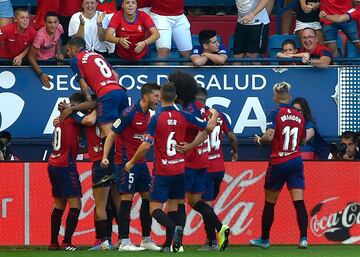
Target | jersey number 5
(290,133)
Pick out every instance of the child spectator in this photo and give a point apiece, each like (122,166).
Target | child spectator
(289,51)
(209,52)
(46,45)
(16,38)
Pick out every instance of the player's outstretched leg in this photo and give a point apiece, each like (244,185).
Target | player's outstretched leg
(210,216)
(266,223)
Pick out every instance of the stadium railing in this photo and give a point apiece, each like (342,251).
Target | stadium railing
(176,61)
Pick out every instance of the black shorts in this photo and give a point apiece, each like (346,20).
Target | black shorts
(251,38)
(65,182)
(98,173)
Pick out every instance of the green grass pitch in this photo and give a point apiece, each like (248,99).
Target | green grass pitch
(233,250)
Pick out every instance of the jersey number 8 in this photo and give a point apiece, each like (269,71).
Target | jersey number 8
(104,68)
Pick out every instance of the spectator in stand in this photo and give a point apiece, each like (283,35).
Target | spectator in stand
(109,7)
(315,146)
(46,45)
(42,7)
(144,5)
(131,27)
(317,55)
(307,16)
(170,20)
(330,29)
(289,51)
(91,25)
(353,14)
(6,12)
(16,38)
(252,29)
(209,52)
(66,9)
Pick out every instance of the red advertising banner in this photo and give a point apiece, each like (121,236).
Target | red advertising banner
(12,214)
(332,198)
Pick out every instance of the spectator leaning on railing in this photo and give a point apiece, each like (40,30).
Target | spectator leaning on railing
(317,55)
(289,51)
(210,51)
(6,12)
(16,38)
(91,25)
(252,28)
(46,45)
(131,27)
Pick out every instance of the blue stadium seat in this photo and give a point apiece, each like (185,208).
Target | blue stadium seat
(275,43)
(351,51)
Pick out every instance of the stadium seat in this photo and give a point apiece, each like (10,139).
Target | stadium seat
(275,43)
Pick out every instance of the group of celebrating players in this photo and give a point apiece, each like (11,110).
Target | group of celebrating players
(188,158)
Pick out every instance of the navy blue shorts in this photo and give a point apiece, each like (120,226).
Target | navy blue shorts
(164,188)
(65,182)
(349,28)
(195,180)
(98,173)
(212,185)
(137,180)
(291,172)
(111,105)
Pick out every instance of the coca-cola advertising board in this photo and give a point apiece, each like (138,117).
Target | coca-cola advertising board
(332,198)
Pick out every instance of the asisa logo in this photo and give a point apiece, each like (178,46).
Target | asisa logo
(11,105)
